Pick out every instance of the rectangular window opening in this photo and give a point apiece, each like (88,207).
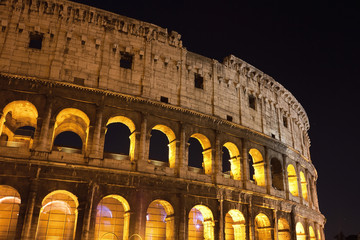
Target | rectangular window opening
(199,81)
(252,102)
(35,40)
(164,99)
(79,81)
(126,60)
(229,118)
(285,121)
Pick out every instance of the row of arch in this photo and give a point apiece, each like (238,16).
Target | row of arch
(59,212)
(71,132)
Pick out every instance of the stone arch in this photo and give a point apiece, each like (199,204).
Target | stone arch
(72,120)
(170,135)
(200,223)
(257,163)
(58,216)
(292,179)
(235,167)
(283,229)
(206,151)
(9,210)
(262,227)
(300,232)
(160,220)
(112,218)
(277,174)
(235,225)
(132,135)
(304,189)
(16,115)
(312,233)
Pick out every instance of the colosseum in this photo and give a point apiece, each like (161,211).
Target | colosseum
(111,129)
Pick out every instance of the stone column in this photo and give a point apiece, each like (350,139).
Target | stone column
(88,210)
(138,217)
(95,151)
(217,158)
(280,120)
(285,176)
(268,176)
(42,143)
(297,169)
(293,223)
(246,173)
(221,218)
(275,225)
(183,153)
(251,221)
(143,153)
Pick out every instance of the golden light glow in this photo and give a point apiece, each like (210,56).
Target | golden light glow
(283,229)
(319,235)
(234,160)
(235,225)
(201,223)
(262,227)
(312,233)
(130,124)
(172,143)
(292,179)
(112,218)
(258,165)
(74,120)
(58,216)
(300,232)
(9,211)
(159,221)
(303,186)
(207,152)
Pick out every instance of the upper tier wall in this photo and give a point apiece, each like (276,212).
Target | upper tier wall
(84,45)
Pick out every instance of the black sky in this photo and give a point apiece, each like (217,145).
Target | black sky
(311,48)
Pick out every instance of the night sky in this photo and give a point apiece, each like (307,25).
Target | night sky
(311,48)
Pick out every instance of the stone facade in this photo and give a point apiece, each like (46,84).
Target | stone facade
(70,67)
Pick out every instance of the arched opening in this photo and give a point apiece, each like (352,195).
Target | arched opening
(119,138)
(235,225)
(300,232)
(72,121)
(58,216)
(163,145)
(231,160)
(277,174)
(319,235)
(312,233)
(112,218)
(256,163)
(292,179)
(68,142)
(18,124)
(9,210)
(262,227)
(201,223)
(304,190)
(283,229)
(200,156)
(159,221)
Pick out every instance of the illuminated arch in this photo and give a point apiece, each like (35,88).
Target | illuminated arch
(318,234)
(258,165)
(130,124)
(300,232)
(9,210)
(235,225)
(262,227)
(312,233)
(234,160)
(207,152)
(112,218)
(201,223)
(172,142)
(18,114)
(292,179)
(159,220)
(58,216)
(283,229)
(277,174)
(72,120)
(304,190)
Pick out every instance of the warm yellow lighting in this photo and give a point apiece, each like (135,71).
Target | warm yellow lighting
(235,225)
(300,232)
(172,143)
(292,179)
(303,186)
(319,235)
(312,233)
(262,227)
(283,229)
(201,223)
(234,160)
(207,152)
(58,216)
(258,165)
(9,211)
(159,221)
(112,218)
